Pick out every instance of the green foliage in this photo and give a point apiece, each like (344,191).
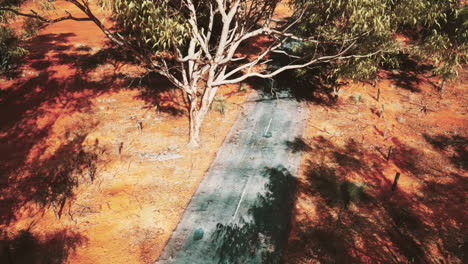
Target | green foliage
(151,24)
(6,16)
(106,5)
(444,43)
(220,104)
(357,98)
(47,5)
(10,43)
(242,87)
(340,22)
(436,29)
(30,27)
(10,51)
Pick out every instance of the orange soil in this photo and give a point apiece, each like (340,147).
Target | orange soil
(425,218)
(60,121)
(283,11)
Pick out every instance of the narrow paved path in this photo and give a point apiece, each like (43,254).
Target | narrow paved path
(241,210)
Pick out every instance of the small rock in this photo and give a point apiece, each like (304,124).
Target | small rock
(198,234)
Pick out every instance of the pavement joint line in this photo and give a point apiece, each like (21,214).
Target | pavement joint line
(268,127)
(241,199)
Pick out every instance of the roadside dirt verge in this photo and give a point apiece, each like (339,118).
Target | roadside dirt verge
(94,166)
(345,209)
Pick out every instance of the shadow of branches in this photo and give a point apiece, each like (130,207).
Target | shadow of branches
(354,217)
(455,146)
(158,91)
(38,94)
(49,181)
(323,180)
(297,145)
(28,175)
(27,248)
(314,89)
(408,76)
(261,238)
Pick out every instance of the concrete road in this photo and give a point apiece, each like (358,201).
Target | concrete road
(241,210)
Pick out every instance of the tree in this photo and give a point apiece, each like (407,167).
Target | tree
(196,43)
(444,40)
(10,49)
(436,31)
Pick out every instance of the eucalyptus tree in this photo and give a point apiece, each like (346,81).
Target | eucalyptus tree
(430,31)
(443,39)
(197,44)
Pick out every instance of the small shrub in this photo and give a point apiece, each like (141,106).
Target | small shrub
(30,27)
(220,104)
(47,5)
(357,191)
(357,98)
(105,5)
(242,87)
(10,52)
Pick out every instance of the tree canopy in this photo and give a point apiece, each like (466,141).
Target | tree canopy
(436,32)
(196,44)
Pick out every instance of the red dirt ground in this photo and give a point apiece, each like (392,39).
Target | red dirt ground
(64,119)
(345,210)
(66,195)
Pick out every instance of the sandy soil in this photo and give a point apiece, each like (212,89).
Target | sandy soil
(67,195)
(345,209)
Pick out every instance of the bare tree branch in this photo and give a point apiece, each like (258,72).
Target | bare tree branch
(35,15)
(295,66)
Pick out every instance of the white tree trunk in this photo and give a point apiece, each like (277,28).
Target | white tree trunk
(197,113)
(195,120)
(196,117)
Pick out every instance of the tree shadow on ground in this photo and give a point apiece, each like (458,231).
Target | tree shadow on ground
(27,248)
(455,146)
(408,76)
(350,157)
(48,182)
(297,145)
(323,180)
(32,98)
(410,159)
(261,237)
(448,202)
(47,39)
(156,90)
(355,216)
(318,86)
(84,62)
(33,172)
(313,90)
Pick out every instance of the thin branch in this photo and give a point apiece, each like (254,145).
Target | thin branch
(35,15)
(287,54)
(360,56)
(288,67)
